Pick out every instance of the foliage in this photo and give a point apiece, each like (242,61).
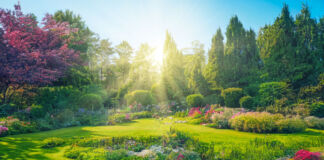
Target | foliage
(117,155)
(270,91)
(314,122)
(139,115)
(317,109)
(52,142)
(173,81)
(232,96)
(247,102)
(195,100)
(91,101)
(214,99)
(142,97)
(31,54)
(291,125)
(256,122)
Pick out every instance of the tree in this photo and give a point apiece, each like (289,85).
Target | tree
(194,65)
(124,51)
(214,69)
(30,54)
(277,47)
(83,34)
(307,59)
(142,71)
(241,56)
(173,79)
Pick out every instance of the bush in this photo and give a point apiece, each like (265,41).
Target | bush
(232,97)
(247,102)
(259,122)
(217,91)
(214,99)
(195,100)
(117,154)
(291,125)
(314,122)
(7,109)
(271,91)
(119,118)
(317,109)
(91,101)
(142,97)
(139,115)
(52,142)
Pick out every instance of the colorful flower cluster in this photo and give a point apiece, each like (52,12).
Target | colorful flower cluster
(194,111)
(3,129)
(307,155)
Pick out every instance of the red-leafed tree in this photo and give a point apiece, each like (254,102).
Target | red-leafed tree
(32,54)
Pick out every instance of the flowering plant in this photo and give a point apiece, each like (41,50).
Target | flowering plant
(307,155)
(195,111)
(3,129)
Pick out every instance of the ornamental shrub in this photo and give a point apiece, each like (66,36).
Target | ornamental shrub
(142,97)
(247,102)
(314,122)
(291,125)
(91,101)
(259,122)
(317,109)
(195,100)
(52,142)
(232,96)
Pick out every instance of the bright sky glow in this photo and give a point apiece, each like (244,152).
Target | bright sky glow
(140,21)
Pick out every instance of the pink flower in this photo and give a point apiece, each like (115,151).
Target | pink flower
(2,129)
(180,157)
(127,117)
(307,155)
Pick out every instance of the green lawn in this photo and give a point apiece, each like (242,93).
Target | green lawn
(27,146)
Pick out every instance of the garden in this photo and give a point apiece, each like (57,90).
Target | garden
(66,93)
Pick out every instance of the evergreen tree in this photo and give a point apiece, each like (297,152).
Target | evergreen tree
(214,69)
(277,47)
(173,79)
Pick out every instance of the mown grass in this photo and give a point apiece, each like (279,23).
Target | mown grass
(27,146)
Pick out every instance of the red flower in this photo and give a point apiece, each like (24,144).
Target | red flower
(307,155)
(180,157)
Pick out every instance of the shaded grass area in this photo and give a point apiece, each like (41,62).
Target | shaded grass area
(27,146)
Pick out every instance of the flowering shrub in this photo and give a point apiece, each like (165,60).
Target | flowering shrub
(194,112)
(3,129)
(221,118)
(260,122)
(307,155)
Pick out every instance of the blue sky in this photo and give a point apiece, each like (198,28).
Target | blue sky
(139,21)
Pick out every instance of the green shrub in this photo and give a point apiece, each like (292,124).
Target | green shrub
(247,102)
(232,97)
(314,122)
(139,115)
(317,109)
(91,101)
(52,142)
(181,114)
(214,99)
(291,125)
(142,97)
(7,109)
(119,118)
(117,154)
(217,91)
(259,122)
(74,152)
(195,100)
(271,91)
